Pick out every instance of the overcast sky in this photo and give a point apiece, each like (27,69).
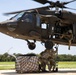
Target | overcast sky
(11,45)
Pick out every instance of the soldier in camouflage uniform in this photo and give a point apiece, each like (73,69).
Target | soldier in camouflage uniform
(47,57)
(53,59)
(44,59)
(68,36)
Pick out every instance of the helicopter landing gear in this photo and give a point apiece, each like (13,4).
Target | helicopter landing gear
(31,45)
(49,44)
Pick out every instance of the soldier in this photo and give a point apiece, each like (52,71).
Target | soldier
(44,59)
(47,57)
(53,59)
(68,36)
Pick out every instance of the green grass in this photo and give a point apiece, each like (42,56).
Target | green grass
(11,65)
(67,64)
(7,65)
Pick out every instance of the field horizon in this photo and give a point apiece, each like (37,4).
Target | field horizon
(61,65)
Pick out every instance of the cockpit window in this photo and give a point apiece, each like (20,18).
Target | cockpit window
(28,17)
(18,16)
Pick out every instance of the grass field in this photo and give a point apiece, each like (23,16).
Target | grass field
(67,64)
(11,65)
(7,65)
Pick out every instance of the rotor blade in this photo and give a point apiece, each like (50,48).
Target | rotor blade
(13,12)
(41,1)
(29,10)
(64,3)
(45,1)
(69,8)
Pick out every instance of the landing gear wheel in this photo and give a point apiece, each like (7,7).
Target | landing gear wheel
(31,46)
(49,44)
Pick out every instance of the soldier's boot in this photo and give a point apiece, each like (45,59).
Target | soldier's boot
(49,67)
(69,44)
(56,69)
(53,68)
(39,67)
(43,68)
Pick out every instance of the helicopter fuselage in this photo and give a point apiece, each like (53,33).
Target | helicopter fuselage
(41,27)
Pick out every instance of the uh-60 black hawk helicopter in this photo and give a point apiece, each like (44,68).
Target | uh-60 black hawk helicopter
(43,24)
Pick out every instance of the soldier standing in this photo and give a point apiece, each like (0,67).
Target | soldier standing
(53,58)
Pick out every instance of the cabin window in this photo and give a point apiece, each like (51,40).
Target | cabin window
(28,17)
(38,20)
(44,26)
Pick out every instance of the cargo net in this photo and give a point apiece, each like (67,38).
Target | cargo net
(27,64)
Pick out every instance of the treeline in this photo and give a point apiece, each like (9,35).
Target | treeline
(6,57)
(65,57)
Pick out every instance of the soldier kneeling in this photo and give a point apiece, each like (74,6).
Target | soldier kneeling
(47,58)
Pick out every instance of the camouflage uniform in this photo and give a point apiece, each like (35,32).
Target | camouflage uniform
(68,36)
(44,59)
(53,59)
(47,58)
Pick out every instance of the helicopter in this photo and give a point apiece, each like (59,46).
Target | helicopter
(43,24)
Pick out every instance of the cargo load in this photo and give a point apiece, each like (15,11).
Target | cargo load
(27,63)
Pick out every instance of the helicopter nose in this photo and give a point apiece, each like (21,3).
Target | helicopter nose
(2,24)
(3,28)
